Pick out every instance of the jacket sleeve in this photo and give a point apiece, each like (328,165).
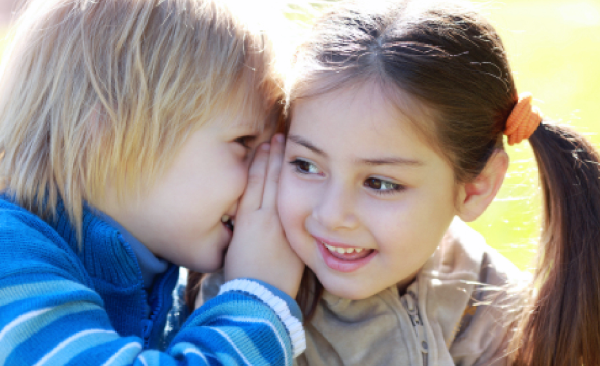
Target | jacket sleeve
(50,315)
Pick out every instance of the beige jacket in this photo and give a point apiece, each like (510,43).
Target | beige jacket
(454,313)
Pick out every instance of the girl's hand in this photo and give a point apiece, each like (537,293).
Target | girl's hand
(259,248)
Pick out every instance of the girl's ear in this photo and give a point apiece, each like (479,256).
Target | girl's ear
(475,196)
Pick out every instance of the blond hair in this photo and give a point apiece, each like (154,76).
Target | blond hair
(98,90)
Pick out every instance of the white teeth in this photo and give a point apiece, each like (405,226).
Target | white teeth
(225,218)
(331,248)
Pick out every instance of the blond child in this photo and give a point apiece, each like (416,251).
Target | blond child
(127,128)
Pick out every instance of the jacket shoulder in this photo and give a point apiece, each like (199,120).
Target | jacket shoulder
(464,251)
(483,331)
(28,244)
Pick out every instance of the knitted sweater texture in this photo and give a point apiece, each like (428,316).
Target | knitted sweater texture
(61,305)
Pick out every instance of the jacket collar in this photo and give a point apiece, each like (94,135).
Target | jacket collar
(104,252)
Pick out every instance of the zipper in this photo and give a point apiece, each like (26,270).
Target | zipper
(146,332)
(158,299)
(146,324)
(410,304)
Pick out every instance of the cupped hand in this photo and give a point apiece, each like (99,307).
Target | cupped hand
(259,248)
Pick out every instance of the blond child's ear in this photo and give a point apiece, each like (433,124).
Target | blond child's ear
(475,196)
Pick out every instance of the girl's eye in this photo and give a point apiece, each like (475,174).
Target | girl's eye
(245,141)
(305,167)
(382,186)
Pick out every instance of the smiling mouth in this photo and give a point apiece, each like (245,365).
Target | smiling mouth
(228,222)
(348,254)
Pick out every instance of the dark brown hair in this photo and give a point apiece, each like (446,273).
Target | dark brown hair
(452,61)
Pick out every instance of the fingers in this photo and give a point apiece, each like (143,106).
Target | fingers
(274,170)
(252,198)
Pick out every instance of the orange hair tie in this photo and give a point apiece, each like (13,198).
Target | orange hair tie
(523,120)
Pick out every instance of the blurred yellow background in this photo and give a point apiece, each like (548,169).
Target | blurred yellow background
(554,49)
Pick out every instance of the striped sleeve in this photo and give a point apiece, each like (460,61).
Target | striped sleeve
(241,316)
(48,316)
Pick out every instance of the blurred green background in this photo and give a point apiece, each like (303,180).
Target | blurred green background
(554,49)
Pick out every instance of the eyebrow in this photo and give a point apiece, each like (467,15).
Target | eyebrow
(375,162)
(391,161)
(300,141)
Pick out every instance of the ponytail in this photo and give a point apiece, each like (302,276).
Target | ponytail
(561,326)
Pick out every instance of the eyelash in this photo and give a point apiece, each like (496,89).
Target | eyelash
(245,140)
(298,162)
(395,187)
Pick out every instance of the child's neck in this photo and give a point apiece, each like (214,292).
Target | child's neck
(403,285)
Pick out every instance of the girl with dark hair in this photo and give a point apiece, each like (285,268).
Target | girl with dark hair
(397,113)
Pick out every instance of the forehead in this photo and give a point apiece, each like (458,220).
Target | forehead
(248,104)
(361,119)
(244,118)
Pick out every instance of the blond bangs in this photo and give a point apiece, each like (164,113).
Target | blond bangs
(104,91)
(254,90)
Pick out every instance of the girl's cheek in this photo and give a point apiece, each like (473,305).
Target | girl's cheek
(240,177)
(292,202)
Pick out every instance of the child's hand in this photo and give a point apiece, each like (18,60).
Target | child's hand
(259,248)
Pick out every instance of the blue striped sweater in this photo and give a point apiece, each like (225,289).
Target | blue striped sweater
(64,306)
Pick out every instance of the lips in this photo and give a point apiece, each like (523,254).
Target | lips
(228,222)
(344,258)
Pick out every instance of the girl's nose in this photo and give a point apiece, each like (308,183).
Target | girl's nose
(335,208)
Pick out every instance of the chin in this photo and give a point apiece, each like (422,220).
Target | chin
(349,292)
(207,267)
